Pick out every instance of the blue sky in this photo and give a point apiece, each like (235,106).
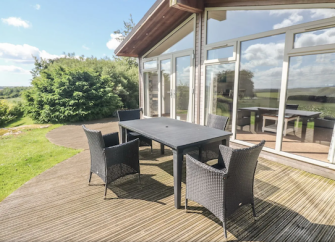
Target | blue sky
(48,28)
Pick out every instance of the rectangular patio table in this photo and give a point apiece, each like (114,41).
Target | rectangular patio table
(304,116)
(180,136)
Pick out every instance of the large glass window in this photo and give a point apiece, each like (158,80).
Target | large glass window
(220,53)
(166,87)
(150,65)
(219,90)
(315,38)
(311,102)
(224,25)
(181,40)
(259,89)
(151,94)
(183,92)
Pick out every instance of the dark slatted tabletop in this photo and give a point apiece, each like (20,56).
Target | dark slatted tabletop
(301,113)
(174,133)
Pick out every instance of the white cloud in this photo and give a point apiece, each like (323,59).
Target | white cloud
(263,55)
(322,13)
(113,43)
(37,7)
(14,69)
(321,37)
(23,53)
(293,18)
(17,22)
(85,47)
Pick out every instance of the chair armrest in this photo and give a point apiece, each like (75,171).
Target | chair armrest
(111,139)
(126,153)
(193,165)
(205,185)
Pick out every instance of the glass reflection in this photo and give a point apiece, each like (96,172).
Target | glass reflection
(224,25)
(150,65)
(165,79)
(183,94)
(259,89)
(219,90)
(311,97)
(151,94)
(315,38)
(220,53)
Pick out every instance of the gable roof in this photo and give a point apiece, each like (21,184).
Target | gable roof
(158,22)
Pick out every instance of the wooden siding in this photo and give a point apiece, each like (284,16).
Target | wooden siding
(239,3)
(157,25)
(58,205)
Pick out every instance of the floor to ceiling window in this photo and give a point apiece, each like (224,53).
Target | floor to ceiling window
(259,88)
(151,94)
(219,90)
(274,49)
(174,56)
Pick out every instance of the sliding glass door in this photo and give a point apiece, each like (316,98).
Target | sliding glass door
(183,86)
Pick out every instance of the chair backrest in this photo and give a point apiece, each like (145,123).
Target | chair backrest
(96,144)
(243,114)
(125,115)
(292,106)
(241,166)
(216,121)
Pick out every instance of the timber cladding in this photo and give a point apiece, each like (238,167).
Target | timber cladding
(239,3)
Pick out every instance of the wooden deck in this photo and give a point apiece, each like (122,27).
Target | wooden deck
(58,205)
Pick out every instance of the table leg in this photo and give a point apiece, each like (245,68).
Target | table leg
(162,149)
(225,142)
(123,138)
(177,175)
(303,129)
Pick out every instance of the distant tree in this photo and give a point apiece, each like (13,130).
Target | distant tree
(226,81)
(12,92)
(127,28)
(122,34)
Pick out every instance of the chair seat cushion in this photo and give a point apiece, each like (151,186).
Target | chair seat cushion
(218,166)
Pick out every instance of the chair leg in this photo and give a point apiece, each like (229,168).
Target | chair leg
(105,191)
(90,177)
(186,200)
(151,148)
(253,210)
(224,229)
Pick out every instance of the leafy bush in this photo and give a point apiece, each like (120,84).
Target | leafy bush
(70,89)
(8,113)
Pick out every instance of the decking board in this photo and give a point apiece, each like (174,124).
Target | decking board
(58,205)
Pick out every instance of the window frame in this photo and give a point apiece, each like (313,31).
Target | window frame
(171,56)
(289,51)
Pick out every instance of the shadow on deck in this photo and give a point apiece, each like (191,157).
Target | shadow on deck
(58,205)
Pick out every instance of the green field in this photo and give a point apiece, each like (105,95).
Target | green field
(13,101)
(26,155)
(267,94)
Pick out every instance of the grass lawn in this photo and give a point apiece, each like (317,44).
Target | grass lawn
(26,155)
(19,122)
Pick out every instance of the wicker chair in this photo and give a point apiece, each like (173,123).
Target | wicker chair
(109,159)
(243,119)
(126,115)
(226,186)
(211,151)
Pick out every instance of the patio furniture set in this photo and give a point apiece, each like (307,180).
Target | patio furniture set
(221,188)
